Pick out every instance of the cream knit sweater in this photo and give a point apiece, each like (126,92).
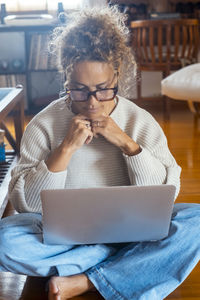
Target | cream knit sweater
(98,164)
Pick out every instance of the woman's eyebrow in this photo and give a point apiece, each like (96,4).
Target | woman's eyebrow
(78,83)
(82,84)
(102,83)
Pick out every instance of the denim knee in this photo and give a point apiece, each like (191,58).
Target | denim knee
(15,232)
(14,228)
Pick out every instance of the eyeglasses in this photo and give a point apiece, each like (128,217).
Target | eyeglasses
(79,95)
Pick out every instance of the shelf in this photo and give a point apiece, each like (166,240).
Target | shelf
(32,49)
(13,73)
(26,27)
(186,8)
(43,70)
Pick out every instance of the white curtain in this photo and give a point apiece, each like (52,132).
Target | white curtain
(50,5)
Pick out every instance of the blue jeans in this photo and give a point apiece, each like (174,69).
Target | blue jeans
(143,271)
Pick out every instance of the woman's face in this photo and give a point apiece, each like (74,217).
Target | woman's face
(91,76)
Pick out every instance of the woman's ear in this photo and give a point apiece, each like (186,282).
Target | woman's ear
(118,70)
(117,73)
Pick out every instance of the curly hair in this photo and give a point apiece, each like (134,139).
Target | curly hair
(97,34)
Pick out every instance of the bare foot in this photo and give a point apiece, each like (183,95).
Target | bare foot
(62,288)
(54,292)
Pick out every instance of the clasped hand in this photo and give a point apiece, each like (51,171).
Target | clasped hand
(82,131)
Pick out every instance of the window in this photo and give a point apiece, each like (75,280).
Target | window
(40,5)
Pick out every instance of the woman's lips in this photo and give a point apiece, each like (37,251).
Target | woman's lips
(92,110)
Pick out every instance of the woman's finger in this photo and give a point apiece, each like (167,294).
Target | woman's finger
(82,119)
(98,123)
(87,124)
(89,139)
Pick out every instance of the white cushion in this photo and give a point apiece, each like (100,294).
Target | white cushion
(183,84)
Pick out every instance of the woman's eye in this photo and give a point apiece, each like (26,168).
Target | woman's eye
(102,88)
(82,90)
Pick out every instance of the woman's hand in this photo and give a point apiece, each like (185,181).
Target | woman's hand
(79,133)
(106,127)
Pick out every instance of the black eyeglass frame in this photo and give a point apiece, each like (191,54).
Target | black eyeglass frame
(93,93)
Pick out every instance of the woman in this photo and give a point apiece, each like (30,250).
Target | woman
(94,137)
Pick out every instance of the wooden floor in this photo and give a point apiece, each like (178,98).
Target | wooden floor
(184,142)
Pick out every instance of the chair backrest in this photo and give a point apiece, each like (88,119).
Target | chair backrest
(165,44)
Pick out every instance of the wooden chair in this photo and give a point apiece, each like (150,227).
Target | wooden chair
(164,45)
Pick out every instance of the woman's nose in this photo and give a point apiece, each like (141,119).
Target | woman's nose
(92,99)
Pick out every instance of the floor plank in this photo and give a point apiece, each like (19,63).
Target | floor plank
(11,285)
(190,288)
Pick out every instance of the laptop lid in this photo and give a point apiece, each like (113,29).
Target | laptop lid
(107,214)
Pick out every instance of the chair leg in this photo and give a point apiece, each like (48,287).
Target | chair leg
(139,84)
(195,109)
(192,107)
(196,119)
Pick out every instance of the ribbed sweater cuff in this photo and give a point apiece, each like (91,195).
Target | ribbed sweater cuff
(144,169)
(38,179)
(45,179)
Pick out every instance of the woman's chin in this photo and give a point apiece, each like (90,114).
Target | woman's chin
(93,115)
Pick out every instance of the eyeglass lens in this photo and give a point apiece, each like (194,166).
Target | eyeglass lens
(101,95)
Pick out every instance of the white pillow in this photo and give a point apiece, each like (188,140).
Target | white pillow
(183,84)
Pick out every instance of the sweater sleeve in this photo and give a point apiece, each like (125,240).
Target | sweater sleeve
(154,164)
(31,175)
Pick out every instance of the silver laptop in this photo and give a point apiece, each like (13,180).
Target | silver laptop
(107,215)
